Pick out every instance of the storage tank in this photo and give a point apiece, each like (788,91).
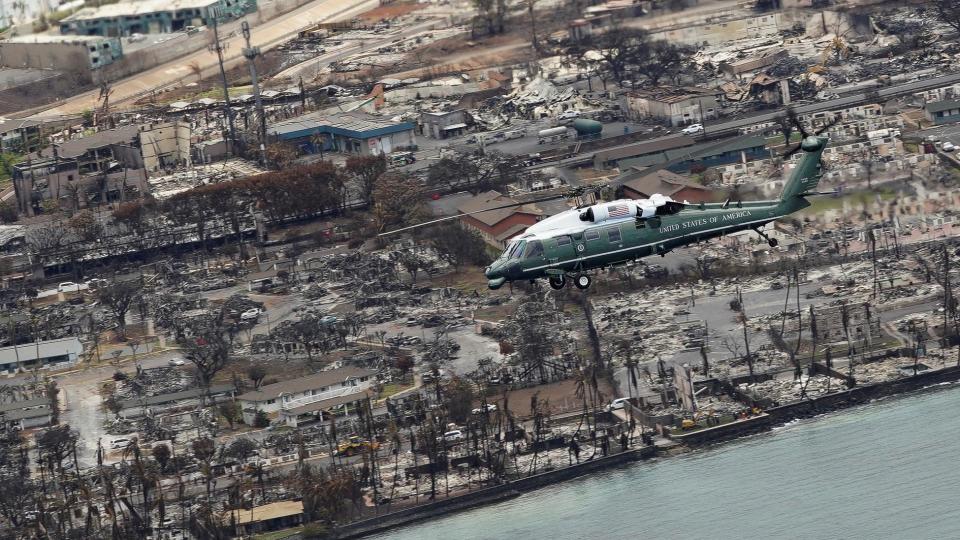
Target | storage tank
(587,128)
(552,132)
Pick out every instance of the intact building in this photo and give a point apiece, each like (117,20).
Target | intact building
(75,54)
(497,227)
(942,112)
(294,394)
(638,184)
(33,355)
(153,16)
(348,133)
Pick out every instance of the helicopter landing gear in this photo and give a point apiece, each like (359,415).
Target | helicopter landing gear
(582,281)
(557,282)
(772,242)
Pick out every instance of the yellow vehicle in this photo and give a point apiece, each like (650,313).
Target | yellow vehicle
(356,445)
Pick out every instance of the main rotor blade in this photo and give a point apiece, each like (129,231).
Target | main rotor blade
(458,216)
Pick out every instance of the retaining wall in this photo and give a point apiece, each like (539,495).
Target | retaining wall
(489,495)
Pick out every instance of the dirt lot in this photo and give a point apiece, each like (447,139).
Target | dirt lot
(561,395)
(390,11)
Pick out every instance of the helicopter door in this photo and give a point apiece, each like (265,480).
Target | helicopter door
(564,249)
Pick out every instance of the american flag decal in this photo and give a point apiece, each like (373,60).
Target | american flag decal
(618,210)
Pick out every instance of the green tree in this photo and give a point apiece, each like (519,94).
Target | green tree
(397,201)
(457,245)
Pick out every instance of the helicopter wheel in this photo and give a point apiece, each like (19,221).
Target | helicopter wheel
(582,281)
(557,282)
(773,242)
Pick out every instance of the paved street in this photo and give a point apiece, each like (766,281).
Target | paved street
(265,36)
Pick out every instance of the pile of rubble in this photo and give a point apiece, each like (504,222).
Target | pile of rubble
(784,391)
(152,382)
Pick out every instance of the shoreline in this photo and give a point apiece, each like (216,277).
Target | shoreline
(774,417)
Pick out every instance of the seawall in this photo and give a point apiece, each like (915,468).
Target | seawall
(812,407)
(489,495)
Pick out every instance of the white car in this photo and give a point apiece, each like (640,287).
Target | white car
(453,436)
(136,38)
(491,407)
(67,286)
(251,314)
(568,115)
(176,362)
(948,147)
(617,404)
(692,129)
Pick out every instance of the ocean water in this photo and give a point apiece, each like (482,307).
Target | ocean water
(890,469)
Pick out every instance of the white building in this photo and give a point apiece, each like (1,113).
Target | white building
(40,353)
(289,395)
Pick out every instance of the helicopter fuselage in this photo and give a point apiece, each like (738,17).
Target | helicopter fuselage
(579,240)
(553,249)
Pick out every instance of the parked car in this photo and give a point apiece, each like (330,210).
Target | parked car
(692,129)
(568,115)
(948,147)
(67,286)
(136,37)
(490,408)
(176,362)
(617,404)
(251,314)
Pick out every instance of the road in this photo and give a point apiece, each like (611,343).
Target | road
(81,405)
(311,68)
(729,127)
(265,36)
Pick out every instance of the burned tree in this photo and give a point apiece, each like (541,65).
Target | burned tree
(117,297)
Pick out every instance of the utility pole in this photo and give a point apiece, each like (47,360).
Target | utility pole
(217,47)
(251,53)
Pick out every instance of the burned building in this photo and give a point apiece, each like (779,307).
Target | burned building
(106,166)
(857,320)
(674,105)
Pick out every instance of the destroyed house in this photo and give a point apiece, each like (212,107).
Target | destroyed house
(82,172)
(497,227)
(747,67)
(638,184)
(943,112)
(674,105)
(440,125)
(274,397)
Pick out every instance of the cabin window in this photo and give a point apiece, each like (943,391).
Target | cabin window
(534,249)
(592,234)
(516,250)
(563,241)
(613,234)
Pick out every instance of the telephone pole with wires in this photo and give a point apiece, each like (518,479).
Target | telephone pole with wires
(218,48)
(251,53)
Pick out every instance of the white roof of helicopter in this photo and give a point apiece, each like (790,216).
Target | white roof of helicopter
(568,221)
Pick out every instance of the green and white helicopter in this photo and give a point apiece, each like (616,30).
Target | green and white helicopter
(569,245)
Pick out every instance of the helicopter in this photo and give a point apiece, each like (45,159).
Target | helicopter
(569,245)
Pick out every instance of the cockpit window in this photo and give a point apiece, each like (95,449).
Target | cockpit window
(516,250)
(534,249)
